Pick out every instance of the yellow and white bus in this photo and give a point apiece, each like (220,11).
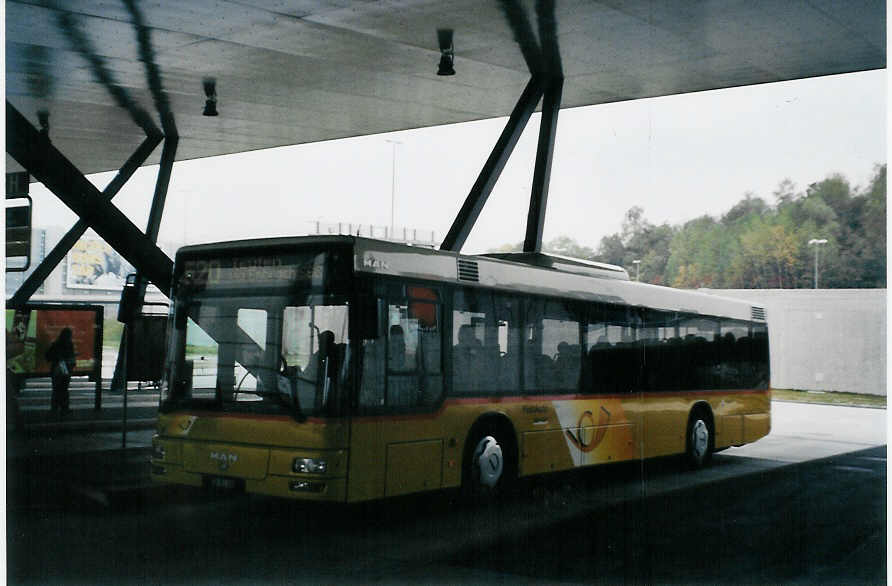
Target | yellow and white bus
(347,369)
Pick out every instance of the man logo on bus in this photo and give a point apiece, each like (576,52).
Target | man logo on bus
(582,439)
(224,459)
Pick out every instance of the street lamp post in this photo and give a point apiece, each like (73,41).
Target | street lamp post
(637,264)
(393,185)
(817,242)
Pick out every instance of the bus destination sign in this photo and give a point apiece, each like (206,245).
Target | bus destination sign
(257,270)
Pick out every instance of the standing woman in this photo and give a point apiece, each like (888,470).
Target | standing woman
(61,356)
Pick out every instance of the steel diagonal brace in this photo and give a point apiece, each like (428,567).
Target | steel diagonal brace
(543,59)
(519,23)
(35,153)
(551,105)
(168,154)
(501,152)
(55,256)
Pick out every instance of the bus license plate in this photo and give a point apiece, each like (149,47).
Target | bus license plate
(221,483)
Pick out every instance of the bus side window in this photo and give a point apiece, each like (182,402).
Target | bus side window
(537,367)
(430,357)
(613,363)
(597,344)
(561,342)
(508,336)
(414,356)
(758,357)
(401,367)
(371,385)
(402,355)
(735,348)
(474,343)
(373,354)
(661,348)
(467,354)
(700,357)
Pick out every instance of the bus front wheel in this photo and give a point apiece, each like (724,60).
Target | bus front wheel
(489,465)
(700,439)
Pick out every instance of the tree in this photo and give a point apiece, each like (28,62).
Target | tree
(611,250)
(693,260)
(518,247)
(874,223)
(755,244)
(634,223)
(566,246)
(746,208)
(785,194)
(563,245)
(834,191)
(638,240)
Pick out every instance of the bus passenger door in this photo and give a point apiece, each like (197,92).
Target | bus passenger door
(365,478)
(396,445)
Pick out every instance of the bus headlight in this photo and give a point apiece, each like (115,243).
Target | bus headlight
(309,466)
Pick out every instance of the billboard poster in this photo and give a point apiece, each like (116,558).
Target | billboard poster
(30,332)
(21,340)
(93,264)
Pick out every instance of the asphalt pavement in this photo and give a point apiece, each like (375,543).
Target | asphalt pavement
(87,453)
(803,505)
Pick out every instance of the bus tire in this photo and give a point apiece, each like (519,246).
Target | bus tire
(700,438)
(490,463)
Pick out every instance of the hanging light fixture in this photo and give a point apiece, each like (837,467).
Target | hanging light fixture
(210,92)
(447,52)
(43,118)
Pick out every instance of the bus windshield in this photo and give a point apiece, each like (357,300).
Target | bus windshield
(258,335)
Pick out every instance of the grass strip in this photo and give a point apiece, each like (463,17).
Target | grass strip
(829,398)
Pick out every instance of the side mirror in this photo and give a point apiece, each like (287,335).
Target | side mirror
(127,308)
(181,316)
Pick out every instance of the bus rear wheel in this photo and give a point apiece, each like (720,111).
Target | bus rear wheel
(700,439)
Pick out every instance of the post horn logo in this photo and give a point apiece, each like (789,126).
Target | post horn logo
(581,438)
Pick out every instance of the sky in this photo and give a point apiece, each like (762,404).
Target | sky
(677,157)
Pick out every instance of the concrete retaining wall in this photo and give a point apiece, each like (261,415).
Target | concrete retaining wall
(823,339)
